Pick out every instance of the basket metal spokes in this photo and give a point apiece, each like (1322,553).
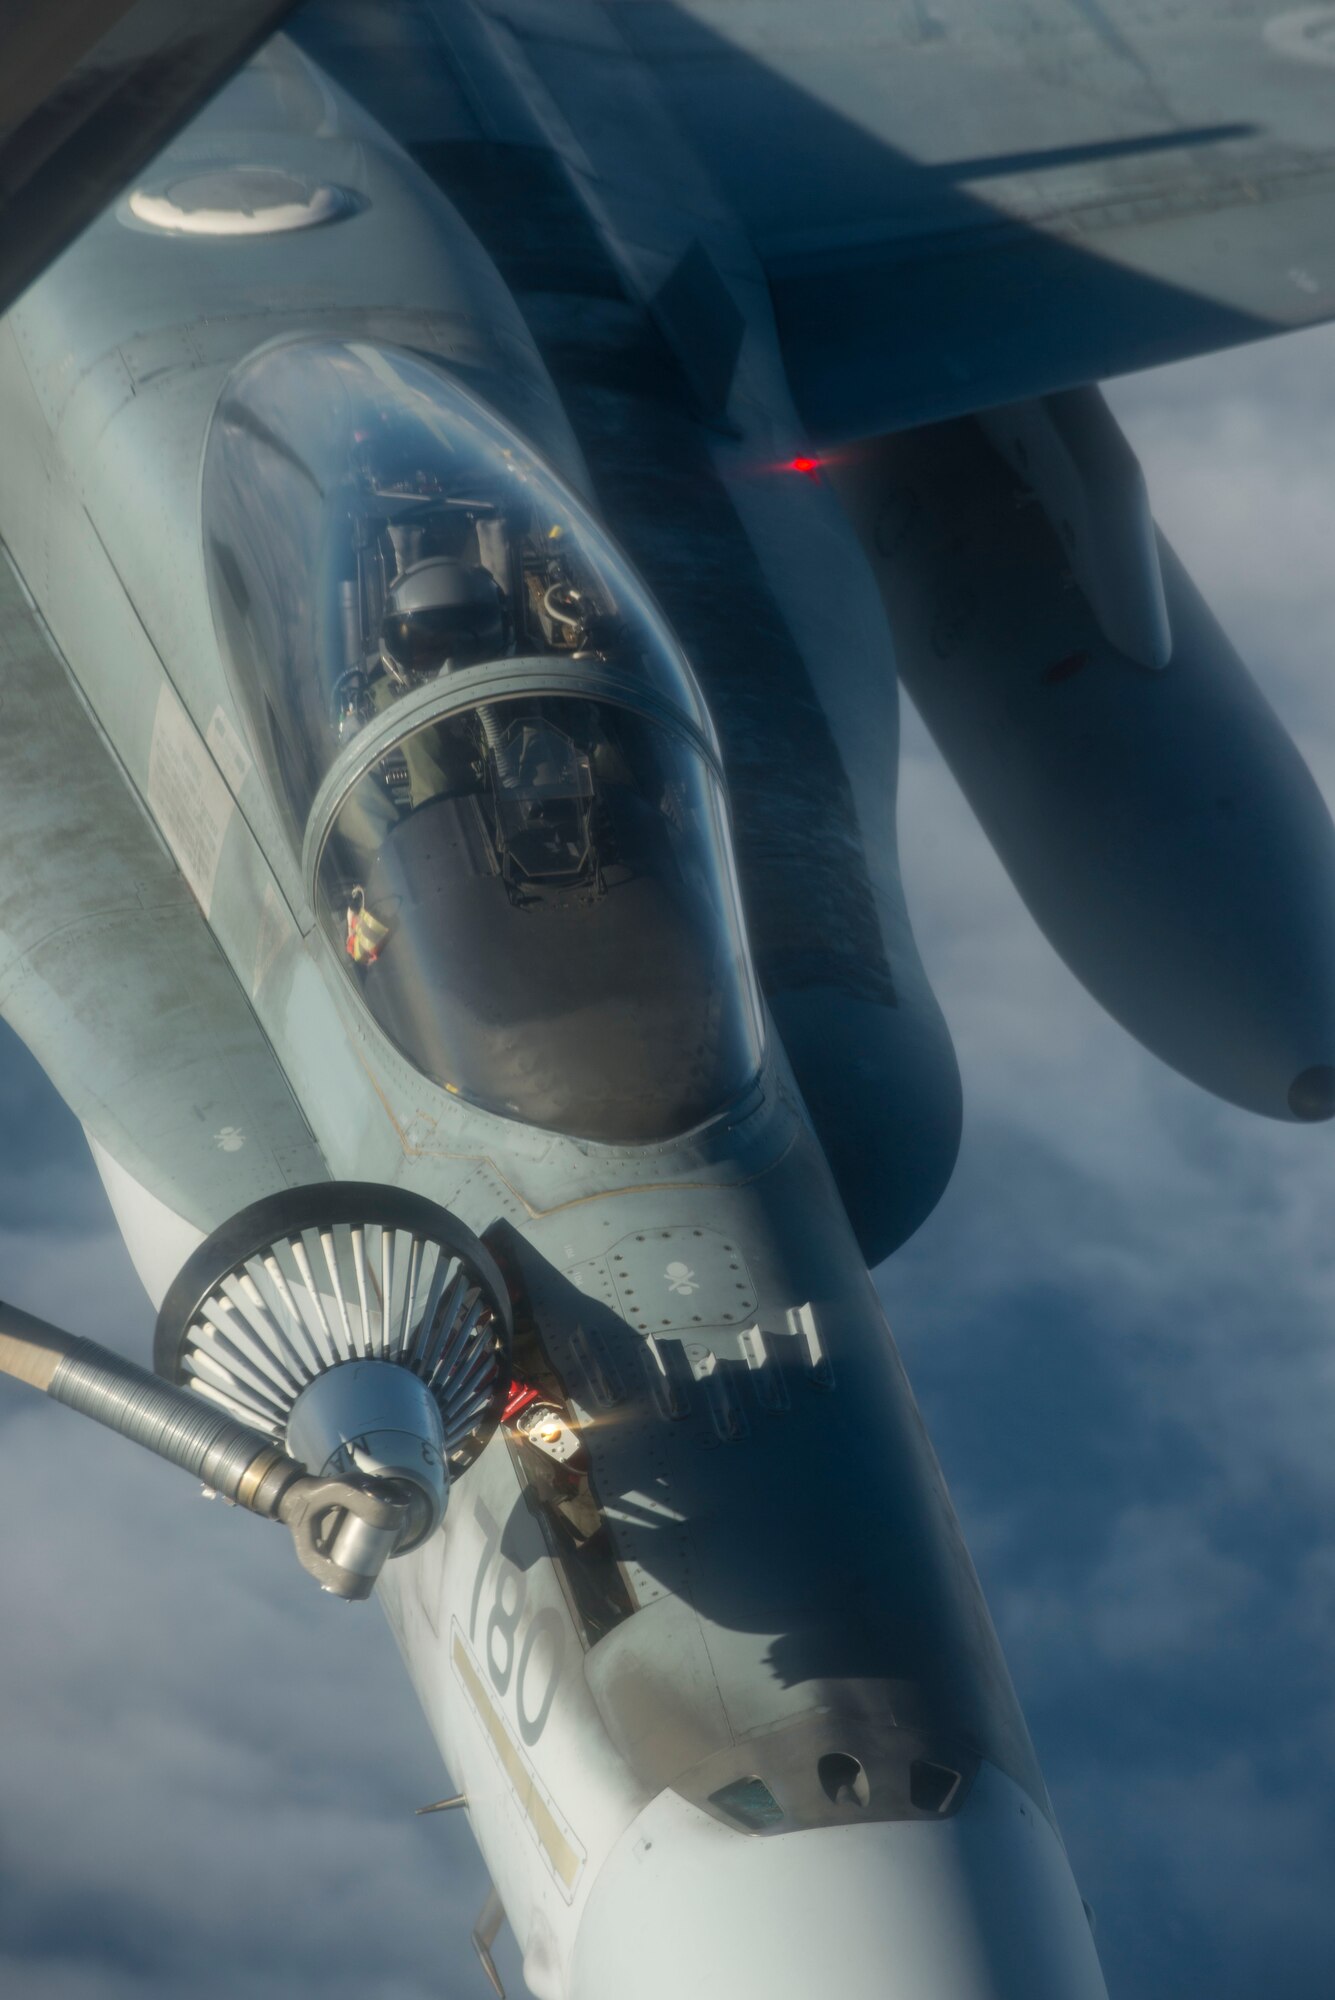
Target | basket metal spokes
(263,1324)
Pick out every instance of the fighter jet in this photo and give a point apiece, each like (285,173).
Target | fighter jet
(466,505)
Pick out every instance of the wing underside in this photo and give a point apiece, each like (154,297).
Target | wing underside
(951,204)
(960,203)
(89,91)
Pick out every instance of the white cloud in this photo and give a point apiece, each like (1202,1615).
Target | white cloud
(1121,1319)
(1120,1323)
(208,1770)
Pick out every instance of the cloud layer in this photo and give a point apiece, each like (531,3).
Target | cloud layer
(1119,1321)
(207,1769)
(1119,1325)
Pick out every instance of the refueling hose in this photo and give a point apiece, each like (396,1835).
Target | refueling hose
(344,1530)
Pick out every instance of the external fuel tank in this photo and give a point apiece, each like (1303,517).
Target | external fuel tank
(1159,822)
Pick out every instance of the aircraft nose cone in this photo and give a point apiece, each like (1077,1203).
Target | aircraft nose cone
(980,1905)
(1312,1093)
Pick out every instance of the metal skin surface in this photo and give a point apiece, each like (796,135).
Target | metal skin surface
(1197,872)
(976,1908)
(343,1533)
(392,1418)
(700,1305)
(648,304)
(91,89)
(721,1690)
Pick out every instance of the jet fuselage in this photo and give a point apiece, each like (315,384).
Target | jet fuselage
(721,1690)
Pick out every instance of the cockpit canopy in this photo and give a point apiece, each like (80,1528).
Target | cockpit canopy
(487,742)
(369,526)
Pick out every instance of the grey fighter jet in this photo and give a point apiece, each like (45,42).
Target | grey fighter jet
(464,507)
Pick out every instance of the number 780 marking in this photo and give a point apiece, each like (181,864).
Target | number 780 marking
(503,1624)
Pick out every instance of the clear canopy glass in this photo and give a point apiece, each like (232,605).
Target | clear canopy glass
(369,526)
(530,879)
(546,922)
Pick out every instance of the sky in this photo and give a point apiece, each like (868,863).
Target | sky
(1119,1320)
(1118,1323)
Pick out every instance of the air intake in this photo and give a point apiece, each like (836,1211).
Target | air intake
(365,1330)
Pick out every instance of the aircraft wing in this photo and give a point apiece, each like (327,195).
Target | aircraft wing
(90,90)
(109,971)
(952,203)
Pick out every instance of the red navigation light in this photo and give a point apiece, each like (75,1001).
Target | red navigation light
(808,467)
